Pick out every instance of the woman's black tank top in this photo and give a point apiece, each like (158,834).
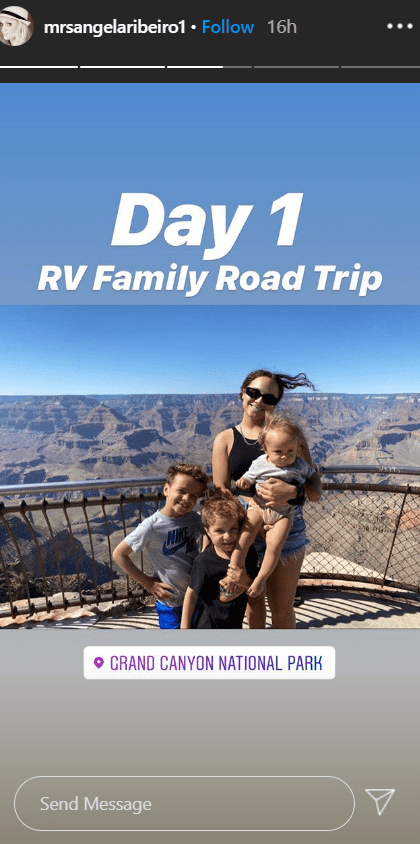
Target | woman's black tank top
(241,456)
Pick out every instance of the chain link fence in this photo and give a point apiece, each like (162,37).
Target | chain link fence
(368,534)
(57,552)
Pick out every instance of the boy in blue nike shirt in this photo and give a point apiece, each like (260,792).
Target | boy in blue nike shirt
(170,536)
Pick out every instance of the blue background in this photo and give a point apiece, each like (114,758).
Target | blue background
(71,150)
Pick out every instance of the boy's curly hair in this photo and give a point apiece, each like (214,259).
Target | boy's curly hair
(220,502)
(191,469)
(280,423)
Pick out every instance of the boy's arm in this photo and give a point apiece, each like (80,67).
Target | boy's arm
(188,608)
(121,555)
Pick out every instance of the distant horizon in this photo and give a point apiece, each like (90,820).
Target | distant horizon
(289,393)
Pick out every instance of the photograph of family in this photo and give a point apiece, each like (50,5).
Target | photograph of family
(210,412)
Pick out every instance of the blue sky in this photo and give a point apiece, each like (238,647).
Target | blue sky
(351,149)
(55,350)
(71,150)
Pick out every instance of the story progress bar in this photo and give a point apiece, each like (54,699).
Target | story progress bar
(209,67)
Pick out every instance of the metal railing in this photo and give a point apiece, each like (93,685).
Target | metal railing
(365,532)
(56,551)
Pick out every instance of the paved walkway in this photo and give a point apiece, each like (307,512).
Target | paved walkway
(322,607)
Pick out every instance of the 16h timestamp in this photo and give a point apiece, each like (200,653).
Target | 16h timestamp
(283,27)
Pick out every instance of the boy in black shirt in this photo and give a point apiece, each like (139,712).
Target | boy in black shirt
(222,516)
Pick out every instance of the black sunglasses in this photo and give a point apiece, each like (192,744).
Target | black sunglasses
(267,398)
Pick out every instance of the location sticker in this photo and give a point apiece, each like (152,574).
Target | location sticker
(98,662)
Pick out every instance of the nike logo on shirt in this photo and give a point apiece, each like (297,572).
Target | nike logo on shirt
(173,548)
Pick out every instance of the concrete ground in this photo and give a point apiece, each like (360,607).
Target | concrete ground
(325,605)
(322,607)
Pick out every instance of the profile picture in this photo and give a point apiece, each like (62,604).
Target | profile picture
(16,26)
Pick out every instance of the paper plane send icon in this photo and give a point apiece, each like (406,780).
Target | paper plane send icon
(381,796)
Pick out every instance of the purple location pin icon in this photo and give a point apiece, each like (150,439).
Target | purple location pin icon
(98,661)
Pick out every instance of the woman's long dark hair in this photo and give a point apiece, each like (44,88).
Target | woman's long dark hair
(284,382)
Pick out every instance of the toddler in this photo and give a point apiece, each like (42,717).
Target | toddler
(280,439)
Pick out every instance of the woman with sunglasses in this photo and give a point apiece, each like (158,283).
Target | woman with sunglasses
(233,452)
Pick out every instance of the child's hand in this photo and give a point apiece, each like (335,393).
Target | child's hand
(230,586)
(275,492)
(236,580)
(161,591)
(238,575)
(242,483)
(257,588)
